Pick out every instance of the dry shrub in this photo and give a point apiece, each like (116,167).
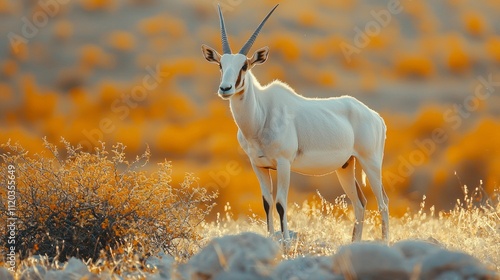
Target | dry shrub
(37,105)
(381,41)
(326,78)
(416,9)
(307,18)
(92,5)
(121,40)
(319,50)
(162,24)
(286,46)
(75,203)
(474,23)
(5,7)
(177,139)
(368,81)
(63,29)
(481,160)
(158,44)
(109,92)
(180,66)
(94,56)
(493,48)
(428,119)
(131,135)
(20,51)
(458,58)
(9,68)
(6,93)
(414,65)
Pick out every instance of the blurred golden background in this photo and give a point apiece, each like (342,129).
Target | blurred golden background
(131,71)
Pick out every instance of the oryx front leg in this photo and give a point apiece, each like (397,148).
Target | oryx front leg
(266,186)
(283,170)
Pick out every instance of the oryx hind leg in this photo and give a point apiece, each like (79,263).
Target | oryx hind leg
(373,169)
(351,187)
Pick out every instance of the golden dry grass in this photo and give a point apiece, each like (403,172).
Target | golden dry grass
(322,227)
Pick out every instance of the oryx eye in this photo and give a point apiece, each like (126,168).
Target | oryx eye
(245,66)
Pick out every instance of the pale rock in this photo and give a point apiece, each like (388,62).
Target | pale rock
(56,275)
(36,272)
(415,251)
(370,261)
(415,248)
(443,263)
(5,274)
(233,275)
(163,263)
(247,253)
(76,268)
(152,262)
(314,268)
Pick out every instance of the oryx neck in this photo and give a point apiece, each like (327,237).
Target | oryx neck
(246,107)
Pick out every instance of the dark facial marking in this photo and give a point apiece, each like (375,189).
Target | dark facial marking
(238,81)
(240,75)
(281,211)
(240,93)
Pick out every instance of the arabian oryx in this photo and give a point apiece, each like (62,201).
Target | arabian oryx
(283,131)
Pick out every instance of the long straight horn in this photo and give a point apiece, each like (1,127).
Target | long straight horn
(225,43)
(244,50)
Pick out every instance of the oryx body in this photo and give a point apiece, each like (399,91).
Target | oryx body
(283,131)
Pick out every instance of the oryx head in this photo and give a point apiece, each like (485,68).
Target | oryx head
(234,66)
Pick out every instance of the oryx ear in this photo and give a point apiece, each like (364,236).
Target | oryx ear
(260,56)
(210,54)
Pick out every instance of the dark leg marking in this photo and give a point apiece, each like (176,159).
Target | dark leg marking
(266,208)
(281,211)
(238,80)
(345,165)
